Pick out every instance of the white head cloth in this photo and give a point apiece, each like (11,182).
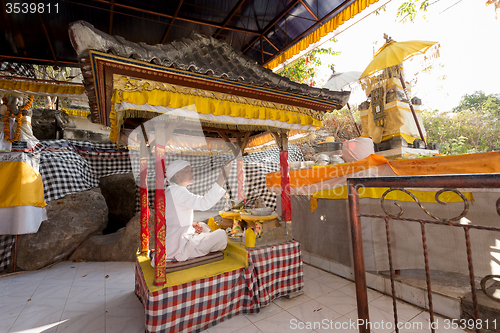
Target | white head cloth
(175,167)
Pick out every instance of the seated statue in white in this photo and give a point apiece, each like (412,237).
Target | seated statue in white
(18,128)
(186,239)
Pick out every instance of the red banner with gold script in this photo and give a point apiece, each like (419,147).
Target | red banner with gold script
(144,205)
(160,224)
(286,205)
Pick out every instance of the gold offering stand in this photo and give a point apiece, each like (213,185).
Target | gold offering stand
(259,221)
(235,216)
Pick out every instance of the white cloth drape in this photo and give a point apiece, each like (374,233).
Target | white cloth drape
(21,219)
(181,239)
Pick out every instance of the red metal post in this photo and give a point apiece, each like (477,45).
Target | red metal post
(286,205)
(359,261)
(144,205)
(160,222)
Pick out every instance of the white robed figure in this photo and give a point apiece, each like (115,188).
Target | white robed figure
(186,239)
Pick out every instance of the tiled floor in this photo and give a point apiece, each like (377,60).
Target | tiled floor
(99,297)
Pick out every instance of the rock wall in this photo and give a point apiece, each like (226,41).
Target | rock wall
(71,220)
(119,193)
(43,123)
(119,246)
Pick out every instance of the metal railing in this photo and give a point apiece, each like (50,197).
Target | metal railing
(447,183)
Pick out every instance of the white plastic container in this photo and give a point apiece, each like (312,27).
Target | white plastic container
(357,149)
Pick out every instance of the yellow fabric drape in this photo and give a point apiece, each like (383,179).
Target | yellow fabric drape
(443,165)
(311,176)
(21,185)
(313,203)
(263,139)
(399,121)
(348,13)
(41,87)
(76,112)
(207,105)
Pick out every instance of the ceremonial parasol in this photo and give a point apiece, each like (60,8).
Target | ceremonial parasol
(339,80)
(394,53)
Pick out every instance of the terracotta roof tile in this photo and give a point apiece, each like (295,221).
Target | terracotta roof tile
(199,54)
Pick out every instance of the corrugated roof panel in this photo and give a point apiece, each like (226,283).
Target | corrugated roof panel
(147,21)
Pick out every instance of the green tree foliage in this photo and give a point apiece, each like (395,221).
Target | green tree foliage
(304,69)
(408,10)
(52,73)
(480,102)
(472,127)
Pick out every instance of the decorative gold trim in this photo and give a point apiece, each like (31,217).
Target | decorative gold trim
(129,84)
(75,112)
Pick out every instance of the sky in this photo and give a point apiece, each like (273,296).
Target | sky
(469,35)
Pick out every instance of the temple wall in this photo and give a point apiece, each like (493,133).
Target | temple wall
(325,233)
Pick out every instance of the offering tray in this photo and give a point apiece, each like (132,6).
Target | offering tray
(230,214)
(259,220)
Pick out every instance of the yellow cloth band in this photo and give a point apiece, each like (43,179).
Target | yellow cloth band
(208,105)
(377,192)
(76,112)
(21,185)
(443,165)
(42,88)
(345,15)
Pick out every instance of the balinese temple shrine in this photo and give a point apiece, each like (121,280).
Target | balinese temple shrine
(387,118)
(200,86)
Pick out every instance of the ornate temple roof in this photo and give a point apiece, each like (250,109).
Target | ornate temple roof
(199,54)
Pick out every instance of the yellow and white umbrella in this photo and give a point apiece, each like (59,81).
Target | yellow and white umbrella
(394,53)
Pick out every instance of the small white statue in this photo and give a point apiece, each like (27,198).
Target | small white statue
(15,116)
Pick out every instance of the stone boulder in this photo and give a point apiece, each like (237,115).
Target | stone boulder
(71,220)
(43,124)
(119,246)
(119,193)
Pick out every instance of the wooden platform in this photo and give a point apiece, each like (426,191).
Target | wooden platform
(173,266)
(214,297)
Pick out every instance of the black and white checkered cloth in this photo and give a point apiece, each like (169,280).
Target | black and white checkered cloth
(6,243)
(69,166)
(273,156)
(205,172)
